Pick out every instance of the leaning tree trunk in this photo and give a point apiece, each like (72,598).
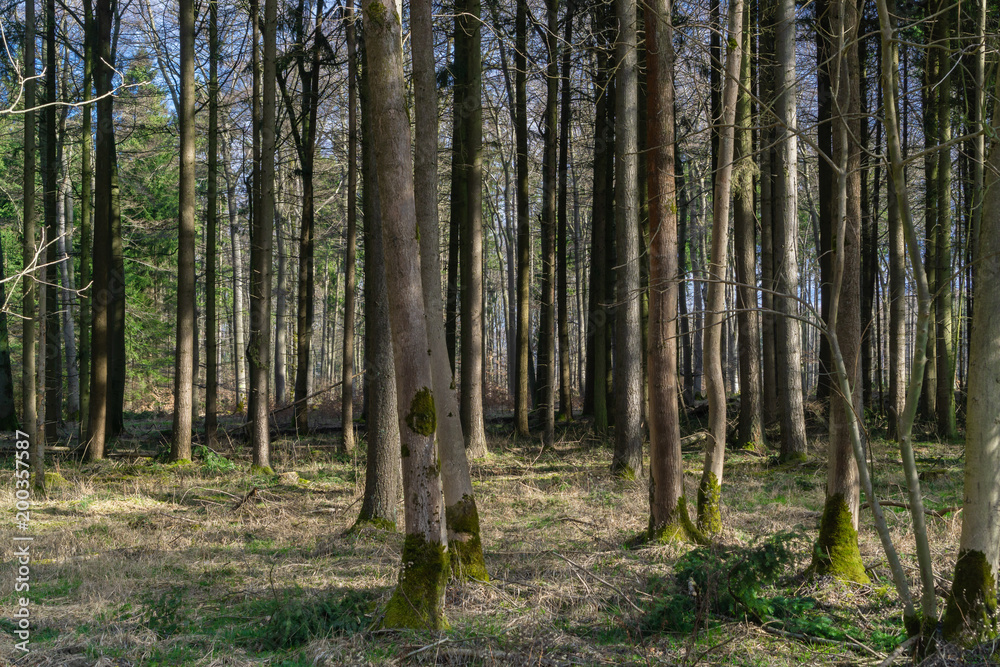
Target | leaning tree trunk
(461,513)
(710,488)
(180,447)
(418,601)
(627,460)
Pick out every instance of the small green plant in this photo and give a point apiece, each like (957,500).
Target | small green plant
(212,462)
(167,615)
(295,620)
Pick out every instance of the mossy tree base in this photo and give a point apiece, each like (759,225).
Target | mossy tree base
(418,601)
(679,528)
(259,470)
(372,522)
(971,614)
(466,549)
(709,500)
(836,552)
(793,458)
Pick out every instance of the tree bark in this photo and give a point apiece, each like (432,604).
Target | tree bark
(627,460)
(522,396)
(212,234)
(562,223)
(86,214)
(50,189)
(180,446)
(419,597)
(350,261)
(29,396)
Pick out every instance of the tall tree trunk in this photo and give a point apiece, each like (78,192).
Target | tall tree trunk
(461,513)
(597,320)
(236,245)
(259,346)
(627,460)
(945,414)
(103,185)
(928,396)
(382,471)
(836,549)
(8,412)
(347,379)
(67,294)
(471,262)
(522,396)
(50,186)
(280,304)
(545,388)
(212,233)
(667,508)
(419,597)
(827,180)
(116,317)
(562,285)
(459,203)
(86,211)
(180,449)
(751,422)
(29,395)
(766,78)
(784,192)
(710,488)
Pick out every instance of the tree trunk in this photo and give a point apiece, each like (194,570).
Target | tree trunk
(461,513)
(766,76)
(710,488)
(562,285)
(103,183)
(180,449)
(8,413)
(350,261)
(751,422)
(627,460)
(836,551)
(471,262)
(116,317)
(50,186)
(667,508)
(212,234)
(419,597)
(280,305)
(29,395)
(86,217)
(522,397)
(67,294)
(382,471)
(236,243)
(259,347)
(785,210)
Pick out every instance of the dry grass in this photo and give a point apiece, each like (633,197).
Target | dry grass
(141,563)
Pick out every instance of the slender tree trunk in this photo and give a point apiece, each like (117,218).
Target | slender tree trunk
(382,472)
(103,184)
(562,285)
(522,397)
(710,488)
(50,186)
(8,412)
(461,513)
(928,396)
(280,305)
(765,77)
(627,460)
(784,192)
(66,295)
(471,262)
(86,242)
(260,254)
(419,597)
(751,423)
(212,233)
(180,449)
(29,396)
(347,387)
(236,244)
(116,317)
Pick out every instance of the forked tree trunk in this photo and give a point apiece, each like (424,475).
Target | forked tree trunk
(418,600)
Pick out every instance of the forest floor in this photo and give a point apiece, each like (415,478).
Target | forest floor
(137,562)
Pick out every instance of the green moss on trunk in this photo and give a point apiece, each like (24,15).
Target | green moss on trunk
(972,604)
(709,498)
(679,528)
(836,552)
(463,541)
(372,522)
(254,469)
(422,419)
(418,601)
